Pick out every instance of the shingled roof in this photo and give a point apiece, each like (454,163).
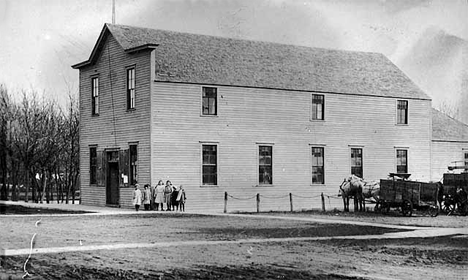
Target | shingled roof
(202,59)
(445,128)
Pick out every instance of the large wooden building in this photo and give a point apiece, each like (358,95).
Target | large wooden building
(245,117)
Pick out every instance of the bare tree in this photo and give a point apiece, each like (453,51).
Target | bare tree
(39,147)
(451,110)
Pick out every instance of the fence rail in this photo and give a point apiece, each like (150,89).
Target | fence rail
(258,199)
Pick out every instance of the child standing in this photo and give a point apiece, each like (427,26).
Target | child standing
(167,195)
(137,197)
(181,198)
(159,195)
(147,197)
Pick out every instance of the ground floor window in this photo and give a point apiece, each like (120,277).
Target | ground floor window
(209,165)
(402,161)
(265,165)
(133,164)
(318,172)
(356,162)
(93,165)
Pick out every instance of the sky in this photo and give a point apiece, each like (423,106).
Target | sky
(41,39)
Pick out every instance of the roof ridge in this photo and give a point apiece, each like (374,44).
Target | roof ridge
(243,39)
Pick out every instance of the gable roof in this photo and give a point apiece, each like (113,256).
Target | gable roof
(202,59)
(445,128)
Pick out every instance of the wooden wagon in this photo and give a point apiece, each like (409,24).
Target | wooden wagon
(454,193)
(408,195)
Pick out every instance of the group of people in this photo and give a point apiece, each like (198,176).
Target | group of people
(154,197)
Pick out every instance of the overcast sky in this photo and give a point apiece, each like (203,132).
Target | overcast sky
(41,39)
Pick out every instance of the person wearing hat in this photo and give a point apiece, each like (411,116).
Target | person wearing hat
(137,197)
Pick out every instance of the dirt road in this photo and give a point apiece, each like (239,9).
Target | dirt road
(184,246)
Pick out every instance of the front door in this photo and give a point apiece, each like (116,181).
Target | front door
(112,186)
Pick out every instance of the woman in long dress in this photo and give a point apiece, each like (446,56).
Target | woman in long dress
(159,195)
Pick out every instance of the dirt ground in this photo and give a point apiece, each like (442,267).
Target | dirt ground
(289,258)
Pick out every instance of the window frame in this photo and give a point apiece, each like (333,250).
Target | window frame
(208,114)
(133,165)
(95,96)
(130,83)
(93,180)
(312,147)
(313,111)
(203,164)
(399,120)
(362,161)
(397,159)
(259,166)
(465,158)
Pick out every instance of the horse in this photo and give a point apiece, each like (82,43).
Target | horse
(352,187)
(371,190)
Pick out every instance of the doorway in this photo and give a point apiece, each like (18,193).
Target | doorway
(112,182)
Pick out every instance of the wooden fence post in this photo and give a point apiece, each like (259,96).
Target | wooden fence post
(323,203)
(258,203)
(225,201)
(291,201)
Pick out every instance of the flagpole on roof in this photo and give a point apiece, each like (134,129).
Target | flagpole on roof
(113,11)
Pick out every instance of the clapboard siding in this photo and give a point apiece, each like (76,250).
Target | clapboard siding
(443,154)
(115,127)
(249,116)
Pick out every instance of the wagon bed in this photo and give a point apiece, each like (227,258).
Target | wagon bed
(409,195)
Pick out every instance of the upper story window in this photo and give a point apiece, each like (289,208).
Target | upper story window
(265,165)
(95,96)
(466,160)
(209,165)
(209,101)
(133,164)
(356,162)
(92,165)
(402,161)
(402,112)
(318,106)
(318,172)
(131,88)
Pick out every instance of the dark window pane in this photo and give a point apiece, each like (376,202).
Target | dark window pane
(402,112)
(317,165)
(209,101)
(402,161)
(92,166)
(209,168)
(317,107)
(131,88)
(356,162)
(265,164)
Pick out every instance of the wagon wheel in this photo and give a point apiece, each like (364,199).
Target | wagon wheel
(378,206)
(434,210)
(448,208)
(407,208)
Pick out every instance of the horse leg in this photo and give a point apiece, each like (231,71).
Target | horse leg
(346,203)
